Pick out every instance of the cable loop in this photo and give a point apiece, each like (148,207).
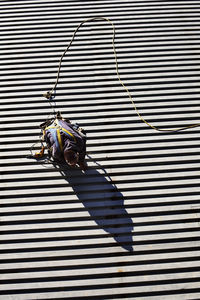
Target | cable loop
(49,94)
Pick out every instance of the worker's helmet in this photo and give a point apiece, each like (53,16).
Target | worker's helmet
(71,158)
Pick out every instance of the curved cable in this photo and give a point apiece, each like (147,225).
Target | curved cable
(49,94)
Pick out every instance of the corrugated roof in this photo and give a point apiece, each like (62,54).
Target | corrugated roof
(128,228)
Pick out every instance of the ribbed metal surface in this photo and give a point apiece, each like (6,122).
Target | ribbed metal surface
(129,227)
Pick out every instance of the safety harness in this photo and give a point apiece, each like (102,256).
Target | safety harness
(55,129)
(54,126)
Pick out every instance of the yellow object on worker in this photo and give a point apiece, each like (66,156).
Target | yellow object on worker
(40,153)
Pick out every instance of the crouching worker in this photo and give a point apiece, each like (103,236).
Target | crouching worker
(66,142)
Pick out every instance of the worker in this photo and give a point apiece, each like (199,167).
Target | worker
(66,142)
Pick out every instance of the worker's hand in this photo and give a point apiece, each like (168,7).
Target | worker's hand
(83,166)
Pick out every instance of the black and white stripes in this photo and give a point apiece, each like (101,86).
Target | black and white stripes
(129,227)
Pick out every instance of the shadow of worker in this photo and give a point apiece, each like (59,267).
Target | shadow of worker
(103,201)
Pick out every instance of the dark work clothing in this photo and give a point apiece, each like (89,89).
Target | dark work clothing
(78,145)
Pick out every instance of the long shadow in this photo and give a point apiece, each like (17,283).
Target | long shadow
(103,201)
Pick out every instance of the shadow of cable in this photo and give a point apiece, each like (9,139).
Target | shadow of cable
(103,201)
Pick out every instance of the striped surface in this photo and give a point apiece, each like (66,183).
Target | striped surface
(129,227)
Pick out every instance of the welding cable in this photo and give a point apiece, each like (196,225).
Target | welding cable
(49,94)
